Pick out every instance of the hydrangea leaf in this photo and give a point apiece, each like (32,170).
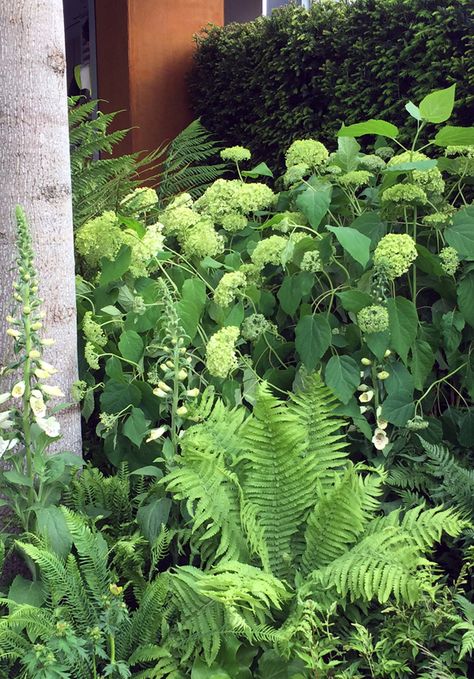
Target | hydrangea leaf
(403,322)
(136,426)
(314,202)
(51,525)
(413,110)
(372,126)
(313,337)
(353,242)
(465,293)
(354,300)
(113,270)
(398,408)
(151,517)
(452,135)
(117,396)
(437,106)
(461,234)
(422,359)
(293,289)
(342,377)
(130,345)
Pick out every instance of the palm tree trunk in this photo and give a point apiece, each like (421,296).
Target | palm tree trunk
(35,173)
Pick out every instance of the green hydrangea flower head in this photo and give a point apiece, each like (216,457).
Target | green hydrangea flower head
(311,262)
(449,260)
(307,152)
(405,194)
(91,356)
(372,163)
(297,236)
(268,251)
(252,273)
(289,220)
(355,178)
(334,169)
(394,254)
(295,174)
(99,237)
(231,196)
(384,152)
(179,216)
(144,249)
(467,151)
(372,319)
(235,153)
(254,326)
(221,356)
(139,200)
(234,222)
(229,286)
(430,180)
(202,240)
(93,331)
(437,219)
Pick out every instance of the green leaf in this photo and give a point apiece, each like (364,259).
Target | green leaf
(111,311)
(413,110)
(403,325)
(354,300)
(398,408)
(347,153)
(149,470)
(461,234)
(24,591)
(51,524)
(235,315)
(371,126)
(260,170)
(136,426)
(342,376)
(118,395)
(421,165)
(437,106)
(15,477)
(353,242)
(313,337)
(131,345)
(455,136)
(151,517)
(293,289)
(465,293)
(452,324)
(201,670)
(113,270)
(422,359)
(191,305)
(378,343)
(314,202)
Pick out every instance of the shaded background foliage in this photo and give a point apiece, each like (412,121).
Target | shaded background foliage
(300,73)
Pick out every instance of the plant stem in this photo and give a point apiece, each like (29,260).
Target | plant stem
(112,648)
(26,416)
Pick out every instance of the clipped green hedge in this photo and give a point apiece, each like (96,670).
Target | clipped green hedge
(302,73)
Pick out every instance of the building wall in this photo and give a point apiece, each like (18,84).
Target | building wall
(242,10)
(144,52)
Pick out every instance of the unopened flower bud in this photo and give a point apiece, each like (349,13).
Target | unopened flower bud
(170,364)
(34,353)
(193,392)
(181,411)
(160,393)
(48,342)
(37,325)
(164,387)
(27,310)
(10,319)
(14,333)
(362,387)
(383,374)
(366,361)
(182,375)
(387,353)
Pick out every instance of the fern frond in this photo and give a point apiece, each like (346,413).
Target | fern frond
(380,565)
(183,169)
(278,479)
(314,407)
(339,518)
(456,482)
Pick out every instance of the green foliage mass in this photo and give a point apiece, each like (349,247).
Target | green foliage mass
(299,74)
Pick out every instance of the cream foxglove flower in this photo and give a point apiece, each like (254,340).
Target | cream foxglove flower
(50,426)
(48,367)
(42,374)
(193,392)
(181,411)
(52,390)
(47,342)
(7,444)
(366,396)
(160,393)
(37,404)
(155,434)
(18,389)
(380,439)
(14,333)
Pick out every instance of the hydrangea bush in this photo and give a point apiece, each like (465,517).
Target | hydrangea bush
(355,263)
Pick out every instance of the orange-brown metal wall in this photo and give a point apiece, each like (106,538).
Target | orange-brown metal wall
(144,52)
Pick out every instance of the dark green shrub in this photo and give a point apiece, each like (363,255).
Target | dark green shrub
(299,73)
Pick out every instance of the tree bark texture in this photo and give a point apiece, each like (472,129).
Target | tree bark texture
(35,173)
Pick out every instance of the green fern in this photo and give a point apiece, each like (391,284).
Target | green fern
(187,166)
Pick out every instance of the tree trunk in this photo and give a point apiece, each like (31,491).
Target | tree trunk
(35,173)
